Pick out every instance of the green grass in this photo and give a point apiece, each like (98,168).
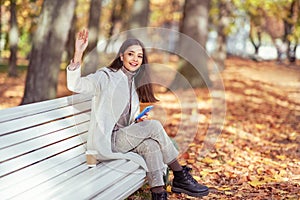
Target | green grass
(4,68)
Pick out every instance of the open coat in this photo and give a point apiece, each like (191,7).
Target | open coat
(110,92)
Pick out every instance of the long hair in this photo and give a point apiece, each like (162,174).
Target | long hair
(142,80)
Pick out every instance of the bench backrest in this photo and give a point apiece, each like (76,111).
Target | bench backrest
(41,141)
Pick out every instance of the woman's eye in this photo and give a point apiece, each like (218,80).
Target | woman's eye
(141,57)
(130,54)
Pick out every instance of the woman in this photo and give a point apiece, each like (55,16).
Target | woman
(113,133)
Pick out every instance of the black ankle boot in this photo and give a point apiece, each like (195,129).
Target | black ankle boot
(183,182)
(159,196)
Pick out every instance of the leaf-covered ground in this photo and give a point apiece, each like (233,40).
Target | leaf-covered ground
(257,155)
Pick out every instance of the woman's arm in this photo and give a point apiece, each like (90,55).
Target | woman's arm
(81,44)
(89,84)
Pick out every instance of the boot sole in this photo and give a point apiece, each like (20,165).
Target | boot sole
(199,194)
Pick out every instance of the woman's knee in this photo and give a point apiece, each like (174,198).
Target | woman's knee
(156,124)
(148,146)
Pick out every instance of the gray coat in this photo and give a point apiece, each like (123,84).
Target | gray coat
(110,93)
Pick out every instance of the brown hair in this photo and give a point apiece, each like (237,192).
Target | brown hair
(142,78)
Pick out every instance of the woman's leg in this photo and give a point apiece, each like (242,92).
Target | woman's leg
(132,138)
(149,150)
(128,138)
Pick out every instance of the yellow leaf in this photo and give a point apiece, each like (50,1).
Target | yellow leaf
(260,126)
(212,170)
(293,136)
(168,189)
(224,188)
(191,161)
(256,183)
(192,144)
(260,170)
(207,160)
(270,179)
(197,178)
(232,163)
(204,173)
(281,157)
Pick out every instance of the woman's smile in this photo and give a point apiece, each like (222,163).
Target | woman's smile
(132,57)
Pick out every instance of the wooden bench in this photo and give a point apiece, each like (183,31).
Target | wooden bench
(42,155)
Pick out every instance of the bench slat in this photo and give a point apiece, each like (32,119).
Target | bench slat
(24,135)
(125,187)
(61,184)
(91,185)
(28,121)
(37,156)
(38,179)
(32,145)
(39,168)
(39,107)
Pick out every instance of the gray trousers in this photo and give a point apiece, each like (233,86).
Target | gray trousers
(149,139)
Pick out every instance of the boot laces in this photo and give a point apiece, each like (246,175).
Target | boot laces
(186,170)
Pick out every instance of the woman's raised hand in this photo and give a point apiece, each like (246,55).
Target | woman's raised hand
(80,45)
(81,41)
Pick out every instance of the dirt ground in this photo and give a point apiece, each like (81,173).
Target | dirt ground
(257,155)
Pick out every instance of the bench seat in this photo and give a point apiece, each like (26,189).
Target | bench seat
(42,155)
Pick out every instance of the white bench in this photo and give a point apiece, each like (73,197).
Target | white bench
(42,155)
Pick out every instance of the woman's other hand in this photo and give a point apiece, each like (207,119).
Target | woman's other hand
(145,117)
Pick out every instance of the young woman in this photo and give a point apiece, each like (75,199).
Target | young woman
(117,91)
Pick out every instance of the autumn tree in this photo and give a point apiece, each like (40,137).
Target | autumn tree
(139,15)
(221,15)
(70,44)
(280,26)
(48,45)
(255,13)
(92,60)
(291,29)
(13,39)
(118,19)
(194,24)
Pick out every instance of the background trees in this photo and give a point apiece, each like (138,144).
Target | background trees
(24,30)
(13,39)
(48,45)
(195,25)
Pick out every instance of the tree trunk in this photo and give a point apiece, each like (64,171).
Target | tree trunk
(92,59)
(0,28)
(289,26)
(48,45)
(70,45)
(139,15)
(257,44)
(221,51)
(194,24)
(118,20)
(13,40)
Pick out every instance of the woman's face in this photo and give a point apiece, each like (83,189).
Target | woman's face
(132,57)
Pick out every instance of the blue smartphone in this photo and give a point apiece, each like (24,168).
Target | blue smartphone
(147,109)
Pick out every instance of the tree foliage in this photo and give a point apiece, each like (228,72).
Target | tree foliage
(46,54)
(278,19)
